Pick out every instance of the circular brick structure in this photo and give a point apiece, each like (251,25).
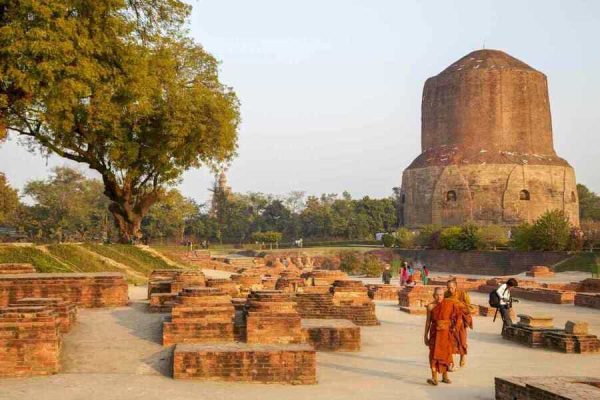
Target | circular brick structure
(487,150)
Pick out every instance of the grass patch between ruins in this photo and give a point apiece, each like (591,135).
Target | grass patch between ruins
(135,258)
(80,260)
(584,262)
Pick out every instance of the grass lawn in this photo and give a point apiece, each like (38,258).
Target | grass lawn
(42,261)
(135,258)
(78,259)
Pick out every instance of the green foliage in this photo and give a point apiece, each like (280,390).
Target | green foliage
(351,262)
(388,240)
(78,259)
(551,231)
(493,236)
(31,255)
(583,261)
(67,206)
(372,266)
(9,201)
(133,257)
(267,237)
(405,239)
(521,237)
(470,237)
(589,204)
(117,85)
(170,217)
(427,236)
(450,238)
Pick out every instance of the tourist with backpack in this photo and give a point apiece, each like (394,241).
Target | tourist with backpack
(502,300)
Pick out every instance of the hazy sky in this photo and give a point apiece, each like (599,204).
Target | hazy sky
(331,89)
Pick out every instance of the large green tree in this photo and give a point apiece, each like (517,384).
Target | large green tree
(117,85)
(9,201)
(589,203)
(66,206)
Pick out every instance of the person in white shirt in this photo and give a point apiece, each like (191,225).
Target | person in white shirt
(506,300)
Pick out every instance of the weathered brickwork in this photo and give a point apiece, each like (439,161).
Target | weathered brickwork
(162,302)
(226,285)
(271,318)
(29,341)
(591,300)
(332,334)
(538,271)
(414,299)
(547,388)
(105,289)
(265,363)
(200,315)
(538,332)
(12,268)
(290,281)
(66,312)
(487,153)
(324,277)
(383,292)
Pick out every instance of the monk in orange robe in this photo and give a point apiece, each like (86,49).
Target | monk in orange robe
(464,320)
(439,331)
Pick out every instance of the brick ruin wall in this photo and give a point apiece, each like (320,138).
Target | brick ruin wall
(107,289)
(493,263)
(547,388)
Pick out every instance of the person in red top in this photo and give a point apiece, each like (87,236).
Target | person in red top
(442,315)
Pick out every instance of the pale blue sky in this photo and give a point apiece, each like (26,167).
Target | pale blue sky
(331,89)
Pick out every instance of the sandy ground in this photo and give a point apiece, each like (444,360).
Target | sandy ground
(116,354)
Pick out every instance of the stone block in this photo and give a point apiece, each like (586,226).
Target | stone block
(577,327)
(536,321)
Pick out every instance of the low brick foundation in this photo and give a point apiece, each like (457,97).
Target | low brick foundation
(106,289)
(539,333)
(161,302)
(324,277)
(271,318)
(414,299)
(12,268)
(29,341)
(331,335)
(591,300)
(383,292)
(270,363)
(226,285)
(66,313)
(200,315)
(547,388)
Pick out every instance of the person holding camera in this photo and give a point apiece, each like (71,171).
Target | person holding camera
(506,301)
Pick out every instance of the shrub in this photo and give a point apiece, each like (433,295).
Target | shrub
(372,266)
(350,261)
(388,240)
(551,231)
(521,237)
(450,238)
(405,239)
(428,236)
(493,236)
(470,238)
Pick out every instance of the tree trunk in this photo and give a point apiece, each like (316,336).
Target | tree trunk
(128,223)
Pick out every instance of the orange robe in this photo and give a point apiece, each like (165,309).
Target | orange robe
(464,320)
(443,318)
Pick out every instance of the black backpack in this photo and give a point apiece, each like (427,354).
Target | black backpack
(495,298)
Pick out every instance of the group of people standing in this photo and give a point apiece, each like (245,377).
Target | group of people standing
(407,274)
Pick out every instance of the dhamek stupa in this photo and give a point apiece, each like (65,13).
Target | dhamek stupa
(487,154)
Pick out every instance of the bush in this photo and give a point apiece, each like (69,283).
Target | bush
(388,240)
(350,261)
(551,231)
(520,237)
(493,236)
(450,238)
(428,236)
(405,239)
(470,238)
(372,266)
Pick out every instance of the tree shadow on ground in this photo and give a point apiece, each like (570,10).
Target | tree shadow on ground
(144,325)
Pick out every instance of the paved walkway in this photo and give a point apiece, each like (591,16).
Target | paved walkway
(116,354)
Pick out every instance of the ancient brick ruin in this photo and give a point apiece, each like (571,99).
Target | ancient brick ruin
(265,363)
(539,332)
(331,335)
(487,149)
(539,271)
(200,315)
(13,268)
(383,292)
(106,289)
(271,317)
(414,299)
(547,388)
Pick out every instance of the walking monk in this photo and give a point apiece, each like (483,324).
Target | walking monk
(441,319)
(464,320)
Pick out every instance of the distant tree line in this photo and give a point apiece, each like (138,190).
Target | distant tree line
(67,206)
